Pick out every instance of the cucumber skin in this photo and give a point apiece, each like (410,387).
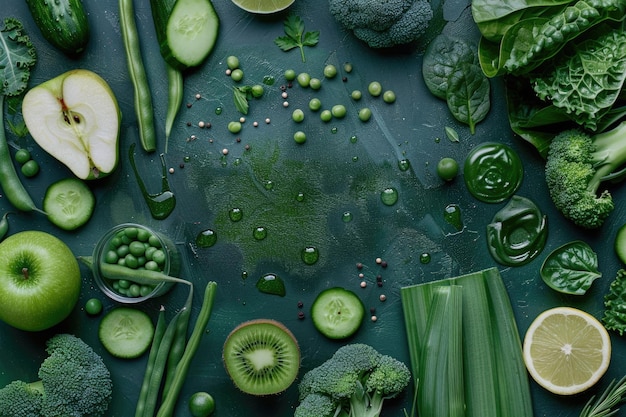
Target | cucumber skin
(161,12)
(62,22)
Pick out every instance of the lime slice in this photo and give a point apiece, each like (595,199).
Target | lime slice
(263,6)
(566,350)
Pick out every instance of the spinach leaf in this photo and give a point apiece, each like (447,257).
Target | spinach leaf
(468,95)
(571,268)
(441,58)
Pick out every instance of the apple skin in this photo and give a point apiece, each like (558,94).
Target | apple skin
(76,118)
(53,286)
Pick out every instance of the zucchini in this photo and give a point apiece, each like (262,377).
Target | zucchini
(62,22)
(186,30)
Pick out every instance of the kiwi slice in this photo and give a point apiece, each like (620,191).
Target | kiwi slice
(261,357)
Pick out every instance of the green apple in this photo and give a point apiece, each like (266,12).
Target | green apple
(39,280)
(75,117)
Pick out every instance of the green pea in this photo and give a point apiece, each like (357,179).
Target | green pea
(389,96)
(123,250)
(145,290)
(232,62)
(111,257)
(326,116)
(159,257)
(290,75)
(30,168)
(315,83)
(297,115)
(234,127)
(123,283)
(375,88)
(131,232)
(447,169)
(237,75)
(22,156)
(356,95)
(315,104)
(299,137)
(152,266)
(304,79)
(149,253)
(338,111)
(365,114)
(137,248)
(143,235)
(154,241)
(93,306)
(131,261)
(347,67)
(257,90)
(330,71)
(134,290)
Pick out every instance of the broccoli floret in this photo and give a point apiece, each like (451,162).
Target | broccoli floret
(19,399)
(354,382)
(576,165)
(615,304)
(73,382)
(383,24)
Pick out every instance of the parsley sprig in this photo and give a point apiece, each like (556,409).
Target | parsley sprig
(296,37)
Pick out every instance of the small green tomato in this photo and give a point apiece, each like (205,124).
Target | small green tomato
(201,404)
(375,88)
(447,169)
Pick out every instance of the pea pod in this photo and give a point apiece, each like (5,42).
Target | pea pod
(159,331)
(178,345)
(4,225)
(139,276)
(174,101)
(143,98)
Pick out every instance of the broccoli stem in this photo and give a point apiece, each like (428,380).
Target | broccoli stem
(610,155)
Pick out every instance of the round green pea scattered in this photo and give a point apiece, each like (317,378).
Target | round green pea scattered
(290,75)
(234,127)
(389,96)
(375,88)
(326,116)
(339,111)
(30,168)
(330,71)
(303,79)
(356,95)
(201,404)
(237,75)
(447,169)
(315,83)
(93,306)
(347,67)
(297,115)
(299,137)
(257,90)
(232,62)
(315,104)
(365,114)
(22,156)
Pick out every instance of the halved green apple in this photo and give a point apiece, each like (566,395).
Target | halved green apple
(75,117)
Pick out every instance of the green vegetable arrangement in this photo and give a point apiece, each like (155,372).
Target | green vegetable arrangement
(73,381)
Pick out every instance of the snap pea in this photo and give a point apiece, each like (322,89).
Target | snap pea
(159,331)
(4,225)
(138,76)
(167,406)
(178,345)
(174,100)
(139,276)
(10,183)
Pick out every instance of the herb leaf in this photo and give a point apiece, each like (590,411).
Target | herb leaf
(296,37)
(571,268)
(17,56)
(240,97)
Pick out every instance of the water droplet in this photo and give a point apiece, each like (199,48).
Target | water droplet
(218,110)
(310,255)
(259,233)
(346,217)
(268,80)
(452,214)
(404,164)
(300,197)
(333,130)
(235,214)
(244,275)
(271,284)
(353,139)
(268,185)
(206,238)
(425,258)
(389,196)
(355,158)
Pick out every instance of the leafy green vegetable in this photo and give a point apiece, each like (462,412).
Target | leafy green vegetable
(17,57)
(615,304)
(442,56)
(588,79)
(571,268)
(296,37)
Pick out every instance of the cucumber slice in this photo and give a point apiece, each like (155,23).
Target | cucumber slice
(69,203)
(337,313)
(620,244)
(126,332)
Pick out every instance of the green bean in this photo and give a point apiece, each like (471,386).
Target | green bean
(167,406)
(138,276)
(139,78)
(159,330)
(10,183)
(4,225)
(174,100)
(179,343)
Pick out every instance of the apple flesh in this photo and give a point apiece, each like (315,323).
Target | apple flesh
(39,280)
(75,117)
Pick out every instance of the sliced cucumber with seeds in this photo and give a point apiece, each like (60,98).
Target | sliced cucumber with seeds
(620,244)
(69,203)
(126,332)
(337,313)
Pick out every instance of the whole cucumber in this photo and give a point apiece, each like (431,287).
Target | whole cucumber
(62,22)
